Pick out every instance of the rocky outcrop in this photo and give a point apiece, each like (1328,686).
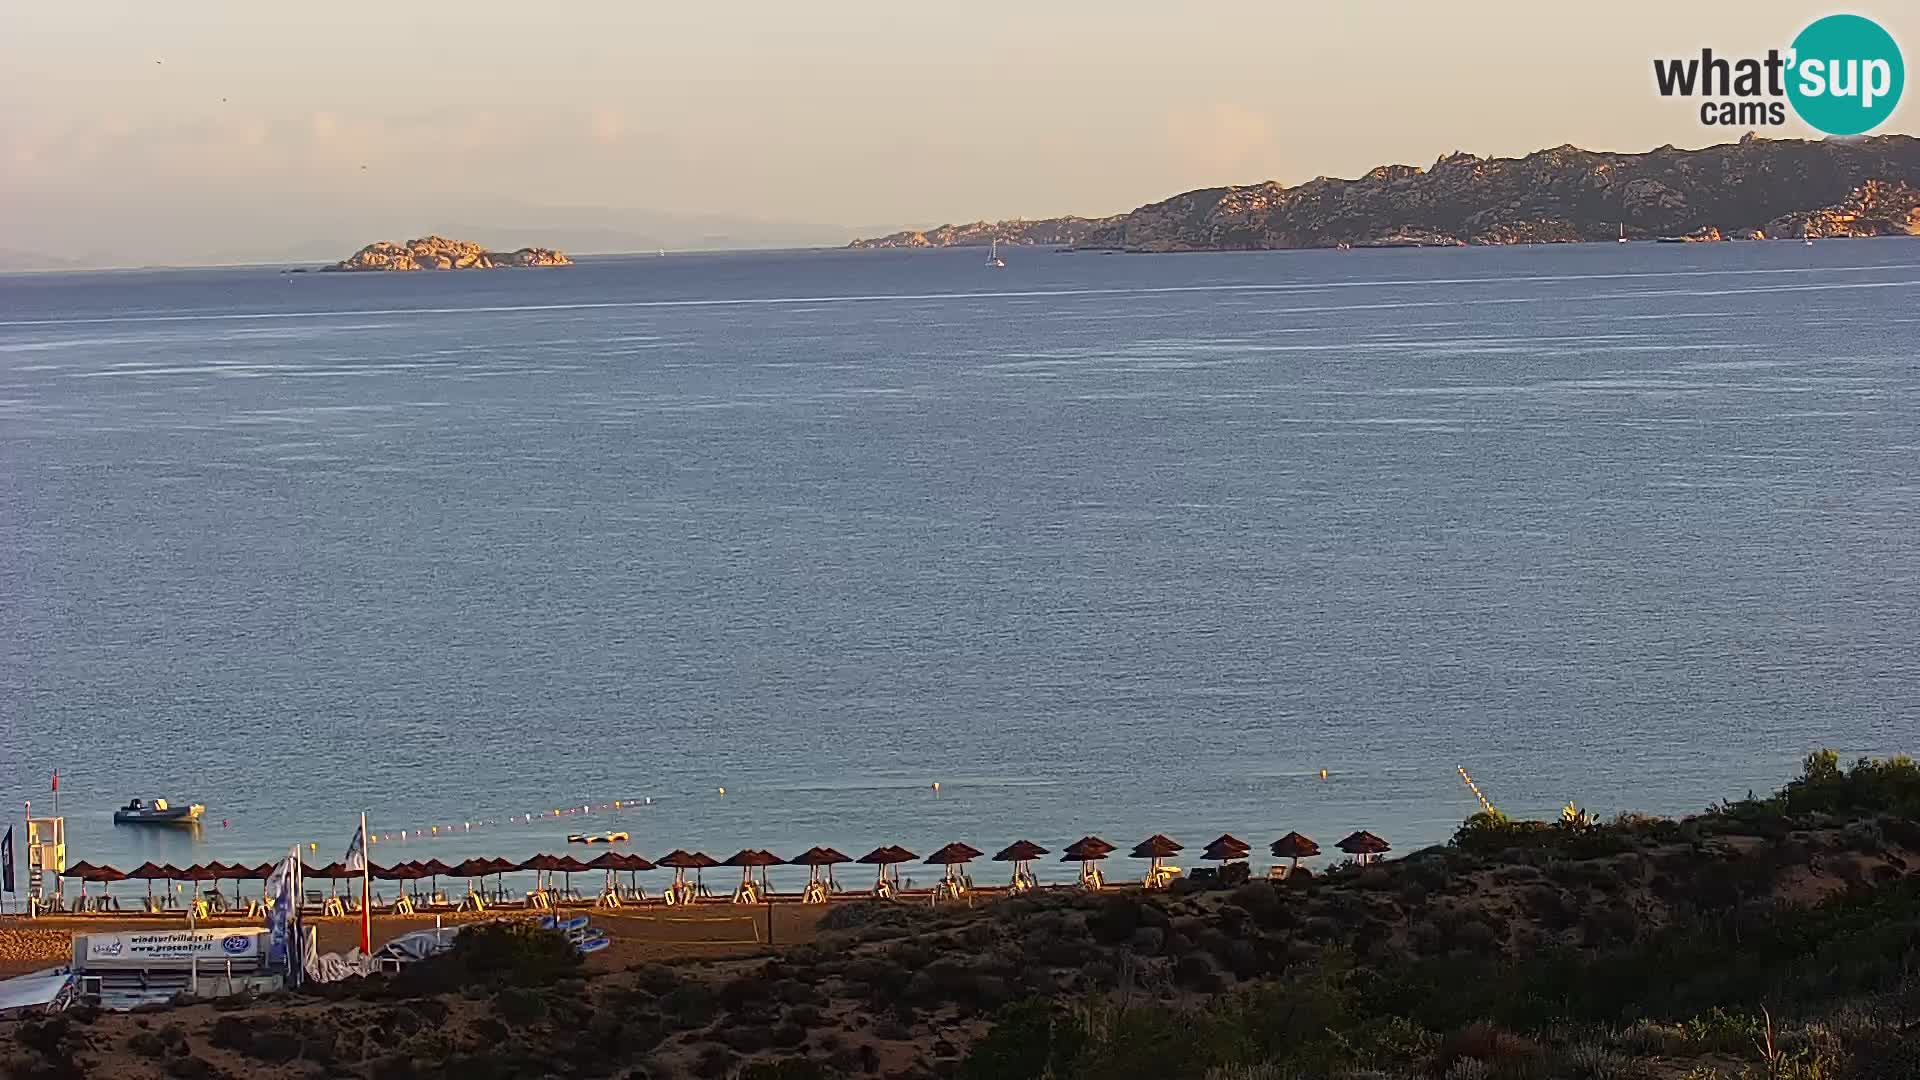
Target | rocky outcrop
(1056,231)
(1875,208)
(440,253)
(1749,189)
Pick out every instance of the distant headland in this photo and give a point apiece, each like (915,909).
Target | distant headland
(440,253)
(1753,189)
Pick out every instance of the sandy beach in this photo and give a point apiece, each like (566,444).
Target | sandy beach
(638,933)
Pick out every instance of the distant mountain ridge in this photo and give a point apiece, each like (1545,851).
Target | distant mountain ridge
(1062,230)
(1749,189)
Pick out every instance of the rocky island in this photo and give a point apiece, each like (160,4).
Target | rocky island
(1753,189)
(440,253)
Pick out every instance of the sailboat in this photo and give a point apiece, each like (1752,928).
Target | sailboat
(993,255)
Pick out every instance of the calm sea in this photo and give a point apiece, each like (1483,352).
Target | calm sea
(1112,544)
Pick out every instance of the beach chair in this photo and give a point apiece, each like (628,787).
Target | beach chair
(1091,878)
(404,905)
(1162,876)
(1234,873)
(315,901)
(1278,872)
(333,906)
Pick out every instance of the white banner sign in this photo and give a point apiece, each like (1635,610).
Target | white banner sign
(172,946)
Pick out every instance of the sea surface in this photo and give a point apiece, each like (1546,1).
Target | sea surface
(1098,544)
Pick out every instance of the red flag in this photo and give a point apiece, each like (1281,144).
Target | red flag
(56,781)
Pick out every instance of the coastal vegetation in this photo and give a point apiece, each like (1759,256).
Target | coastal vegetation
(1753,189)
(1773,937)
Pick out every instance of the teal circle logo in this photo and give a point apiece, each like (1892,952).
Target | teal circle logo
(1847,74)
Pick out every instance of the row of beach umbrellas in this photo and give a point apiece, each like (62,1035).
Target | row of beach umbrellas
(1227,848)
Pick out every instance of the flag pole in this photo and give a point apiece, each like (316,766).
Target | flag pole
(366,896)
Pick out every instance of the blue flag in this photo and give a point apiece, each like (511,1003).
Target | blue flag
(282,916)
(6,861)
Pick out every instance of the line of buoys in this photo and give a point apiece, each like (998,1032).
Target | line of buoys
(526,818)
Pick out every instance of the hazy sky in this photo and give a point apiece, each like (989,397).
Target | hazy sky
(145,128)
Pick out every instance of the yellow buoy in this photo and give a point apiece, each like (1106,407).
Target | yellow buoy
(1323,774)
(723,791)
(936,785)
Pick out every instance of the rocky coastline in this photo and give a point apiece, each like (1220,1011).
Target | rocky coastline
(440,253)
(1753,189)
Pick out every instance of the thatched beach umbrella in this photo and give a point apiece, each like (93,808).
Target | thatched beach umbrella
(953,856)
(148,872)
(1226,848)
(1364,846)
(1296,847)
(1086,851)
(1021,854)
(435,870)
(173,875)
(262,874)
(746,859)
(816,860)
(569,866)
(613,862)
(1156,848)
(542,866)
(681,861)
(885,857)
(634,863)
(500,868)
(471,869)
(85,872)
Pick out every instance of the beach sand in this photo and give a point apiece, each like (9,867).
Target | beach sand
(638,933)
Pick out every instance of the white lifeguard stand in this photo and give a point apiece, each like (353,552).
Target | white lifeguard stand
(46,857)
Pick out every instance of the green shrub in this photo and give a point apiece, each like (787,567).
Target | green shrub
(518,1006)
(1033,1038)
(507,953)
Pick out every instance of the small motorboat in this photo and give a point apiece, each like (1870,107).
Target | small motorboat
(157,812)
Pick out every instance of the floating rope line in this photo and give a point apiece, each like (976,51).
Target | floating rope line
(1475,788)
